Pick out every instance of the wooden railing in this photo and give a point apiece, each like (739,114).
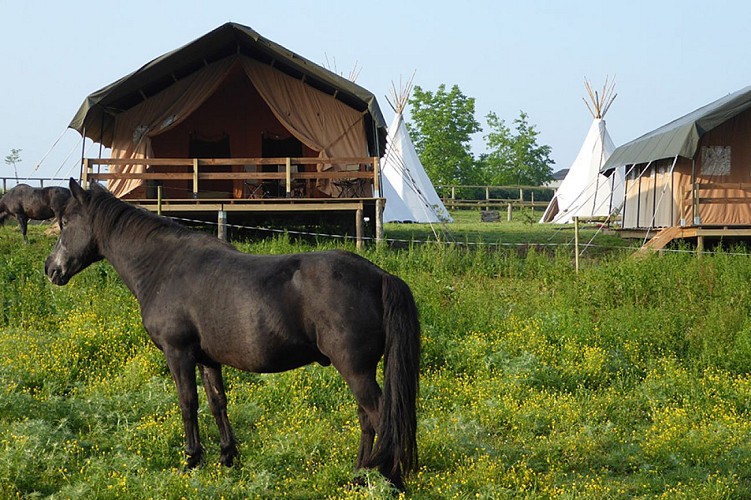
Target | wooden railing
(362,169)
(9,182)
(697,195)
(453,196)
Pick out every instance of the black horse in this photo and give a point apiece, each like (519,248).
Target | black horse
(25,202)
(205,304)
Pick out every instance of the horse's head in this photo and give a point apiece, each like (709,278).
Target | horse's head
(77,247)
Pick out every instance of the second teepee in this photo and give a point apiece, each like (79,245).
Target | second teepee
(410,196)
(585,192)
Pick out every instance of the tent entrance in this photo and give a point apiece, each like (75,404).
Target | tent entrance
(212,147)
(274,147)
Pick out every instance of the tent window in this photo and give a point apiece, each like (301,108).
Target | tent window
(715,160)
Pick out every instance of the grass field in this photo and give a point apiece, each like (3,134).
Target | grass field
(630,379)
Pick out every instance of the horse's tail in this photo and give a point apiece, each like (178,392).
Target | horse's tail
(396,446)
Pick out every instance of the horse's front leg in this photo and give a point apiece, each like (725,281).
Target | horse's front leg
(182,365)
(213,383)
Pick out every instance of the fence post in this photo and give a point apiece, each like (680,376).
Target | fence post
(379,220)
(487,198)
(576,244)
(358,227)
(222,225)
(509,212)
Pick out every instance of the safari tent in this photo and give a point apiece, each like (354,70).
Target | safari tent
(692,172)
(233,94)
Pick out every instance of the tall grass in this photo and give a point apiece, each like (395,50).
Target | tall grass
(630,379)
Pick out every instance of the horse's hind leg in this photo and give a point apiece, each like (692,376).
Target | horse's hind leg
(367,436)
(23,222)
(368,396)
(183,369)
(213,383)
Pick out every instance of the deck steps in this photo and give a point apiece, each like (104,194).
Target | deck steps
(661,239)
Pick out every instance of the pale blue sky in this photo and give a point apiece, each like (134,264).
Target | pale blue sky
(667,57)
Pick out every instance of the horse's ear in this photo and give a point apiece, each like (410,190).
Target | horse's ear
(78,192)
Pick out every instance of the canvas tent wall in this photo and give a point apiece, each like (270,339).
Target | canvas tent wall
(585,192)
(410,196)
(276,93)
(694,170)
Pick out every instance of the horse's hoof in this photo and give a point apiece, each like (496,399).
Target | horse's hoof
(193,462)
(227,458)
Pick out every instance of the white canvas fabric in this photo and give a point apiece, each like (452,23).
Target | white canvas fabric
(585,192)
(410,196)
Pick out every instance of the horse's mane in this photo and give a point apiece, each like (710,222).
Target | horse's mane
(113,215)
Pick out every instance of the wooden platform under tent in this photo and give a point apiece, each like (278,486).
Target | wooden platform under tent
(291,192)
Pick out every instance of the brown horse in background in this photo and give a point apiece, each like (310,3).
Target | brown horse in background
(25,202)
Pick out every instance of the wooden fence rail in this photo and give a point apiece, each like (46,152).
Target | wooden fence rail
(451,196)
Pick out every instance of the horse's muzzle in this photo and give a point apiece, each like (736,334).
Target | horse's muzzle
(55,274)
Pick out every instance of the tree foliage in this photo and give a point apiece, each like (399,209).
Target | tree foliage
(515,157)
(443,123)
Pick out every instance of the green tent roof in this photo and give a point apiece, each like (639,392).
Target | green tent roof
(95,117)
(680,137)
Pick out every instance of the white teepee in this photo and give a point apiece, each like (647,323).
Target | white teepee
(585,192)
(410,196)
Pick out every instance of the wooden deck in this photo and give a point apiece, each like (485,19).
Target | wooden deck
(293,189)
(661,238)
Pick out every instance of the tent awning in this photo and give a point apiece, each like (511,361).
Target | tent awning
(680,137)
(96,116)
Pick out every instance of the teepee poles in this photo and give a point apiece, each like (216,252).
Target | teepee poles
(400,95)
(600,102)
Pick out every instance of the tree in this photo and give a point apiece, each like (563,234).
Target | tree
(14,158)
(443,125)
(515,158)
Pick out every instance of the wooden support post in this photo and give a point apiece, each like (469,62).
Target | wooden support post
(195,177)
(699,245)
(453,197)
(159,200)
(576,244)
(376,177)
(222,225)
(288,177)
(85,173)
(358,228)
(487,198)
(379,220)
(508,209)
